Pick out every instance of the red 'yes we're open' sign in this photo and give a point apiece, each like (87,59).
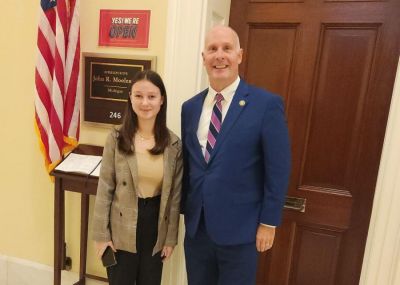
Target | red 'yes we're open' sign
(124,28)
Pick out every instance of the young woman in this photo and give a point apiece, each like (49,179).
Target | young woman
(137,204)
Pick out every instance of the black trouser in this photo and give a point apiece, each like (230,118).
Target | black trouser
(140,268)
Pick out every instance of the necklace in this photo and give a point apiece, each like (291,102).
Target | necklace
(143,138)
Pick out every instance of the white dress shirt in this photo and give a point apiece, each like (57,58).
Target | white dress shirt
(205,118)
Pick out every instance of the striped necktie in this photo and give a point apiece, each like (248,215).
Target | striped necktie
(215,126)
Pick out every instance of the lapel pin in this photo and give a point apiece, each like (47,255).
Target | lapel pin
(242,103)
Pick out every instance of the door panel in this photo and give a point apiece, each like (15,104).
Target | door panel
(342,77)
(334,64)
(312,245)
(277,52)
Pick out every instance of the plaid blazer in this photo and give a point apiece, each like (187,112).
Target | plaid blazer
(116,211)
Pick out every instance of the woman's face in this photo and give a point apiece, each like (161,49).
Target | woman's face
(146,100)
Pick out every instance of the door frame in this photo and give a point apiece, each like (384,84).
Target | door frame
(381,264)
(184,40)
(184,76)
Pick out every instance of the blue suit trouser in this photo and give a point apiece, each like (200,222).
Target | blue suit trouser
(208,263)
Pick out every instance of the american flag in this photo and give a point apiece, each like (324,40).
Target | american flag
(56,78)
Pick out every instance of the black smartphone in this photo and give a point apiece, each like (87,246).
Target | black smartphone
(108,257)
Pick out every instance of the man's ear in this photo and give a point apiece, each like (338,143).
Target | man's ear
(240,55)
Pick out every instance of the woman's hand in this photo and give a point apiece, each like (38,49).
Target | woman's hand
(166,252)
(101,247)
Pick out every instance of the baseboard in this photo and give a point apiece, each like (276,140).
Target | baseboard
(17,271)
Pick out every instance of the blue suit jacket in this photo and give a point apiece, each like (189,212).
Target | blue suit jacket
(246,179)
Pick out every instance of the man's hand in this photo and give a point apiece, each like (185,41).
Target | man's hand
(265,238)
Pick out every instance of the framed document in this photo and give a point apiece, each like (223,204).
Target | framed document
(107,82)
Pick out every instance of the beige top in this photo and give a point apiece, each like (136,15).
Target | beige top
(150,174)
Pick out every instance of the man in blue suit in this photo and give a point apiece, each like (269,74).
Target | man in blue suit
(236,169)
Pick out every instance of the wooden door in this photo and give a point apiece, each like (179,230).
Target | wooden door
(334,63)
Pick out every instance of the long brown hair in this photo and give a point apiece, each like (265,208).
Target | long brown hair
(130,121)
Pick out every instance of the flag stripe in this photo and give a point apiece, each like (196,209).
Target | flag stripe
(73,39)
(46,22)
(44,71)
(72,102)
(56,128)
(71,96)
(43,92)
(45,48)
(42,114)
(43,134)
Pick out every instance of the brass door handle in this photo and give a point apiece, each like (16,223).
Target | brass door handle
(295,203)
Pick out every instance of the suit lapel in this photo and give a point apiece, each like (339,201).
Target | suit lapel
(132,162)
(194,124)
(169,168)
(239,102)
